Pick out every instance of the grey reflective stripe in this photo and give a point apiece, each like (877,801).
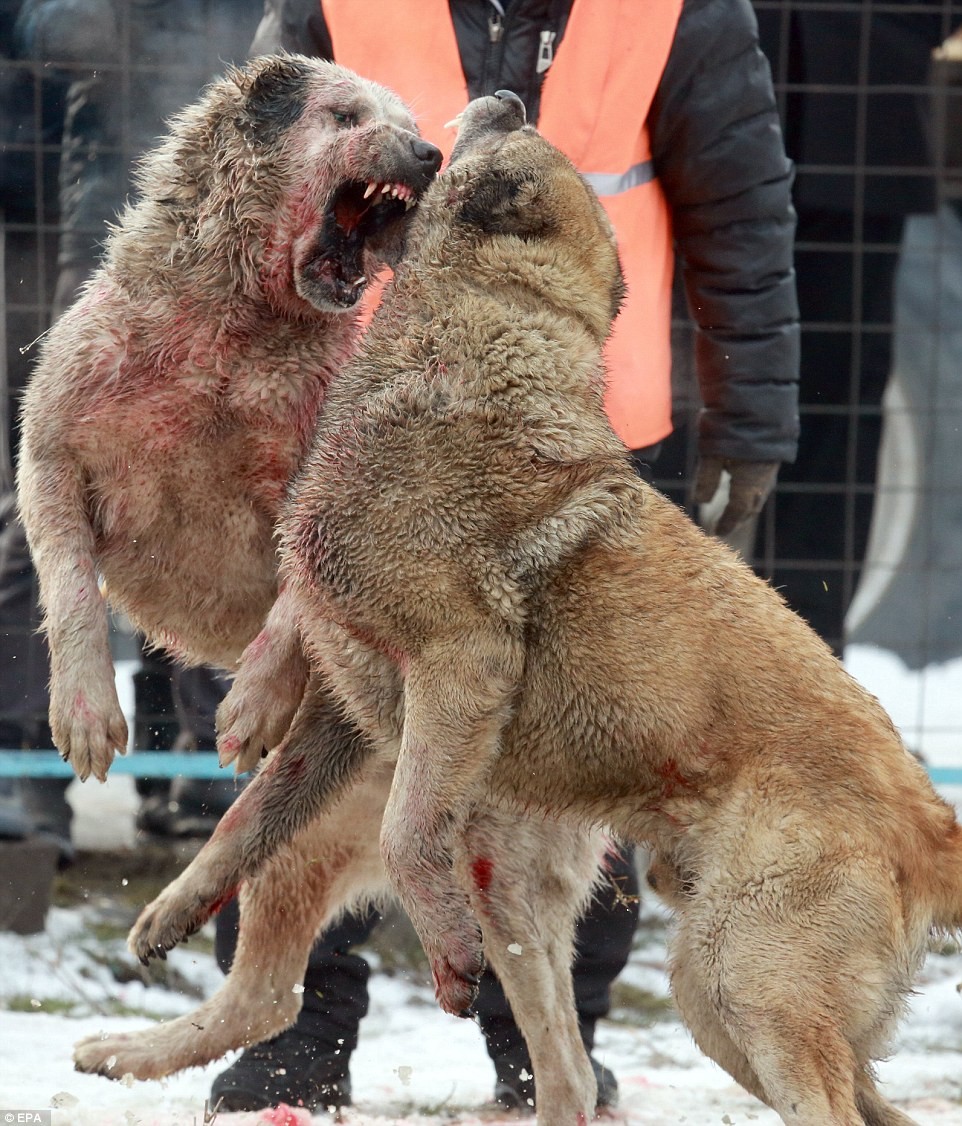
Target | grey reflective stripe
(613,183)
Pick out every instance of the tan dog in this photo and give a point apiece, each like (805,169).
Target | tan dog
(173,402)
(499,602)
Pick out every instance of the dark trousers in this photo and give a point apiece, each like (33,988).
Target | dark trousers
(335,984)
(823,504)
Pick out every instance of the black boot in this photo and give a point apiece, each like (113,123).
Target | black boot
(602,945)
(307,1064)
(293,1068)
(514,1084)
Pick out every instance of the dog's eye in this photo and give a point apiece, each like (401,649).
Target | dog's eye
(344,118)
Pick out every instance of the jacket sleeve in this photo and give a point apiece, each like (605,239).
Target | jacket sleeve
(717,149)
(292,25)
(82,34)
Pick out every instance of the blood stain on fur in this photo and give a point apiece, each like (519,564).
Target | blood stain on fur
(482,872)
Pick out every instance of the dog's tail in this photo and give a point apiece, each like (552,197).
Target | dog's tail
(927,839)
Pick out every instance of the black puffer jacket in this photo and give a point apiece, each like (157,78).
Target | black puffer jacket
(717,149)
(133,63)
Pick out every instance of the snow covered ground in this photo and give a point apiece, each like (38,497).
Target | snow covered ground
(415,1064)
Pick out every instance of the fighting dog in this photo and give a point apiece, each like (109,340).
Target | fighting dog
(172,403)
(502,606)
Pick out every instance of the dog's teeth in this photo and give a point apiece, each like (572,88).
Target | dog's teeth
(408,204)
(385,189)
(454,123)
(370,189)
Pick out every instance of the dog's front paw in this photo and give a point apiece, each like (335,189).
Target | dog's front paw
(87,725)
(456,985)
(251,722)
(107,1055)
(457,973)
(173,916)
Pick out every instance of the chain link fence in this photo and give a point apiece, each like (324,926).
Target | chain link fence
(864,532)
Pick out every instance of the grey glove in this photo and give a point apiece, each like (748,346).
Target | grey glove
(751,483)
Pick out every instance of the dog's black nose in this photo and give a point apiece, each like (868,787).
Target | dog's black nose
(512,99)
(428,154)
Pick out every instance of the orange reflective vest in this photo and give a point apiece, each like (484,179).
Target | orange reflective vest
(594,107)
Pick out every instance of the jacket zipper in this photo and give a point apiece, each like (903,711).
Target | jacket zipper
(494,54)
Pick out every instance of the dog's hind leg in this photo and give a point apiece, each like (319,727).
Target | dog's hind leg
(792,980)
(690,988)
(331,866)
(808,1081)
(797,1063)
(529,882)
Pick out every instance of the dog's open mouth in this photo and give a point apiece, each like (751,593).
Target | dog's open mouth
(363,215)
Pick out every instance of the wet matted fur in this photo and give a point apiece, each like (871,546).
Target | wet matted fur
(502,606)
(172,403)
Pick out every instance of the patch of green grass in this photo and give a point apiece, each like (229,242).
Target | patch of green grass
(104,930)
(130,878)
(113,1008)
(22,1003)
(123,968)
(108,931)
(630,1004)
(945,946)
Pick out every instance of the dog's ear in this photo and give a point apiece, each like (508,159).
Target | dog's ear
(506,203)
(275,99)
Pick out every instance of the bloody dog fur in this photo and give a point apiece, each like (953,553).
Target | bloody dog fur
(172,403)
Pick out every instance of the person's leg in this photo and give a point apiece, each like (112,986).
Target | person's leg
(155,729)
(604,936)
(823,503)
(187,700)
(197,694)
(308,1063)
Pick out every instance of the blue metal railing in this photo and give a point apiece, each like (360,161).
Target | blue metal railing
(143,764)
(203,764)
